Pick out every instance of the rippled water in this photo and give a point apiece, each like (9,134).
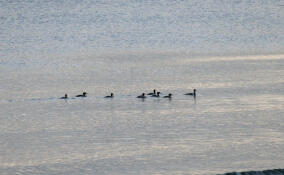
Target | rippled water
(230,52)
(235,123)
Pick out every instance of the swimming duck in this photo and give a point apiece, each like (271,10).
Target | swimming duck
(168,96)
(156,95)
(65,97)
(109,96)
(152,93)
(192,94)
(141,96)
(82,95)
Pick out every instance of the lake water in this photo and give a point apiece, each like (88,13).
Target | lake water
(231,52)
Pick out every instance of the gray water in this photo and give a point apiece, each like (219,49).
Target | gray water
(266,172)
(231,52)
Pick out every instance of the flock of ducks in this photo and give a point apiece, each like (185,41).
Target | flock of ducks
(143,95)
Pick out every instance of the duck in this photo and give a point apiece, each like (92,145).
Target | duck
(192,93)
(109,96)
(141,96)
(152,93)
(65,97)
(168,96)
(82,95)
(156,95)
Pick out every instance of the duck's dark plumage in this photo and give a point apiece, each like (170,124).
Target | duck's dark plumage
(141,96)
(65,97)
(82,95)
(168,96)
(109,96)
(192,93)
(156,95)
(152,93)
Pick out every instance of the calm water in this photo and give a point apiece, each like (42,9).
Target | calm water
(128,47)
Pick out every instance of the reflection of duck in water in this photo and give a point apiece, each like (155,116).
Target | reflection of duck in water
(65,97)
(141,96)
(156,95)
(82,95)
(168,96)
(152,93)
(192,93)
(109,96)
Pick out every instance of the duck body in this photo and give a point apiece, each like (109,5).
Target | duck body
(168,96)
(65,97)
(141,96)
(109,96)
(82,95)
(156,95)
(152,93)
(192,93)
